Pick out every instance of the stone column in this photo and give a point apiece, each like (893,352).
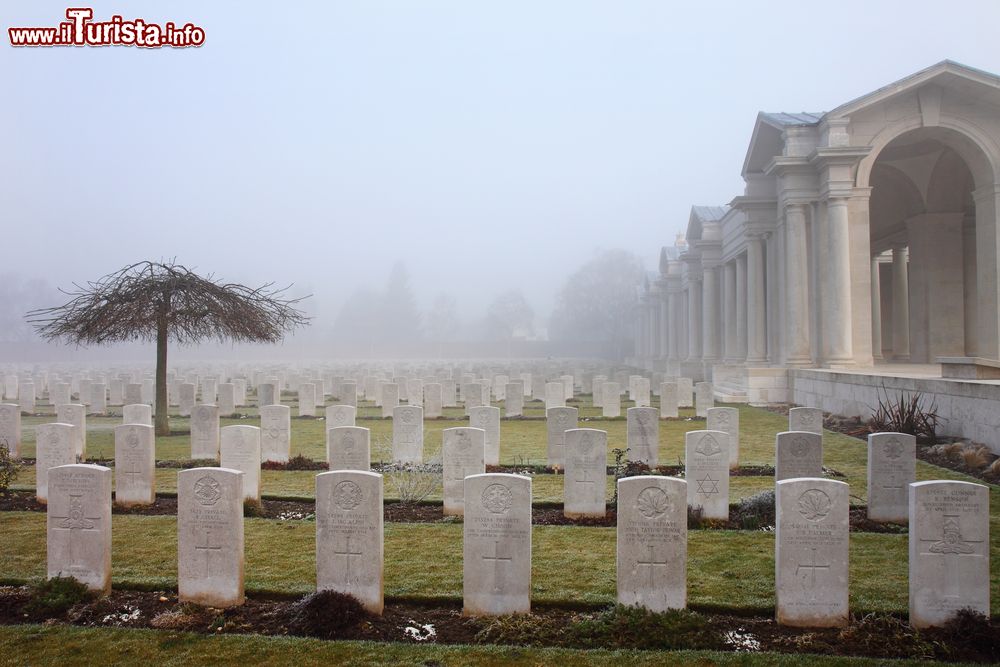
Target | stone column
(741,308)
(665,323)
(710,314)
(876,311)
(694,320)
(673,325)
(987,201)
(756,305)
(796,319)
(837,340)
(900,305)
(729,311)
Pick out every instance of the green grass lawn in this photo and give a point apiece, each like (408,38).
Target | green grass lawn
(72,646)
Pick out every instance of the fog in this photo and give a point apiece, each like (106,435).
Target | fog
(486,147)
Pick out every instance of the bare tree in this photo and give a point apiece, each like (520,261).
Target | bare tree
(151,301)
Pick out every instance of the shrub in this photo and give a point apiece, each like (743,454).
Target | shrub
(9,466)
(754,512)
(54,597)
(413,483)
(907,414)
(638,628)
(252,508)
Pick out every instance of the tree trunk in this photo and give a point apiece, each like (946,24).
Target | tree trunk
(162,402)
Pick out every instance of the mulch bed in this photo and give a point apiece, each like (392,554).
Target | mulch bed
(294,510)
(879,636)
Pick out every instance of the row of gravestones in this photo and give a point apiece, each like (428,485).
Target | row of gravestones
(948,542)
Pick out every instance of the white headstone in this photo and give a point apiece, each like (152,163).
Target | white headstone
(137,413)
(205,432)
(54,447)
(348,448)
(75,414)
(496,573)
(811,552)
(555,395)
(557,422)
(390,398)
(949,550)
(60,394)
(10,428)
(797,454)
(187,402)
(643,435)
(240,450)
(210,536)
(727,420)
(349,535)
(275,433)
(349,394)
(704,398)
(806,419)
(668,400)
(892,467)
(227,399)
(652,542)
(641,396)
(78,525)
(133,393)
(487,418)
(135,464)
(685,390)
(26,396)
(513,400)
(433,400)
(584,493)
(463,453)
(307,399)
(706,468)
(267,394)
(611,403)
(408,434)
(98,398)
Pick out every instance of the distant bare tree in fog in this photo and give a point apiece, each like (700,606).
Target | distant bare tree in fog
(596,301)
(387,317)
(18,296)
(509,314)
(152,301)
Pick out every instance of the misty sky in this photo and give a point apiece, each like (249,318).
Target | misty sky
(488,145)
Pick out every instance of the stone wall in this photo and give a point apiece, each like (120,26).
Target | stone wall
(968,408)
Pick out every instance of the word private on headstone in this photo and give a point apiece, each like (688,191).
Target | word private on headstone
(949,546)
(349,535)
(652,542)
(78,525)
(811,552)
(706,468)
(892,467)
(210,537)
(584,492)
(496,573)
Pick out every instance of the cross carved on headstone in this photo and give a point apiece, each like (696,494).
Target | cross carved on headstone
(812,567)
(651,564)
(130,474)
(585,480)
(497,559)
(347,553)
(207,550)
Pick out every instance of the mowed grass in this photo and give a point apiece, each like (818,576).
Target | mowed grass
(75,646)
(727,570)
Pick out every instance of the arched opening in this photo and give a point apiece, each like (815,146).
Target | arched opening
(923,240)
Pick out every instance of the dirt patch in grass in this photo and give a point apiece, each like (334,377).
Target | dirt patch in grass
(967,638)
